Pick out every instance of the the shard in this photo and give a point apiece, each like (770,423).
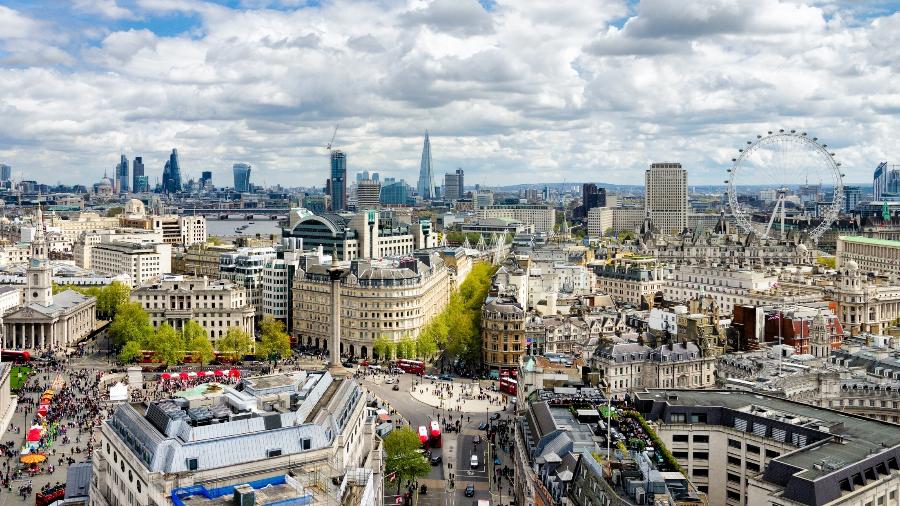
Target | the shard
(426,174)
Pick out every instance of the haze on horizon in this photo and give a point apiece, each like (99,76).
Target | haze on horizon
(512,91)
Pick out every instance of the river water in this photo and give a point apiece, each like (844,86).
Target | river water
(228,228)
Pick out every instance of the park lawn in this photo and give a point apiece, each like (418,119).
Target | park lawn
(15,382)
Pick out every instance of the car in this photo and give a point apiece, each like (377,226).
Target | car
(396,388)
(470,490)
(364,363)
(435,460)
(474,461)
(495,416)
(483,426)
(397,370)
(391,380)
(349,365)
(445,377)
(430,377)
(476,440)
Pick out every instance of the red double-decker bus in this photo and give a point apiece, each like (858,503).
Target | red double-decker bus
(411,366)
(508,386)
(423,435)
(15,356)
(435,434)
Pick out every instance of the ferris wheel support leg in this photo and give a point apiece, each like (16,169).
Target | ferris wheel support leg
(772,218)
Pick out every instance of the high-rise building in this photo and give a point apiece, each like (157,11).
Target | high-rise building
(368,194)
(375,176)
(137,170)
(453,185)
(360,176)
(5,172)
(395,193)
(141,184)
(241,177)
(122,175)
(879,180)
(206,179)
(591,197)
(666,197)
(852,198)
(172,174)
(426,174)
(338,186)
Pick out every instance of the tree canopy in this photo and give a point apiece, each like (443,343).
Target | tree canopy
(131,324)
(168,345)
(236,344)
(274,342)
(383,347)
(198,343)
(403,456)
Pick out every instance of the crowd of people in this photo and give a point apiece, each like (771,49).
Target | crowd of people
(68,427)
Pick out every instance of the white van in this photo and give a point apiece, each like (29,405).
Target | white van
(474,461)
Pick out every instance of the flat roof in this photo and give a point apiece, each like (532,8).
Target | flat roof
(861,436)
(869,240)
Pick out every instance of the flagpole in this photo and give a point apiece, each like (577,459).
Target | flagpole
(780,349)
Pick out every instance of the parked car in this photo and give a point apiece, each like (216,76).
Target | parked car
(470,490)
(445,377)
(430,377)
(476,440)
(396,387)
(391,380)
(495,416)
(474,461)
(435,460)
(483,426)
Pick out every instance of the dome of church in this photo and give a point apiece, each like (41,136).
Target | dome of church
(852,265)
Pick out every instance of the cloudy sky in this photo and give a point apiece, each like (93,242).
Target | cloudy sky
(511,90)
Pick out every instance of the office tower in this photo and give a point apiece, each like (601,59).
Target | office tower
(852,198)
(141,184)
(394,193)
(591,197)
(122,175)
(172,174)
(368,194)
(453,186)
(879,180)
(5,172)
(426,175)
(666,197)
(375,177)
(137,170)
(241,177)
(338,180)
(361,176)
(206,179)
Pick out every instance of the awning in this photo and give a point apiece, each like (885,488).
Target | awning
(166,376)
(184,376)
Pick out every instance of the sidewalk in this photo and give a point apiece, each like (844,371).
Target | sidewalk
(463,397)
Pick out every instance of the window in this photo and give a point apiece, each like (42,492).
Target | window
(752,449)
(680,438)
(733,443)
(734,461)
(701,472)
(274,452)
(732,495)
(733,478)
(752,467)
(306,443)
(701,455)
(680,454)
(771,454)
(677,418)
(192,464)
(701,439)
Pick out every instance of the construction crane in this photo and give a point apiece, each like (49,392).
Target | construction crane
(331,142)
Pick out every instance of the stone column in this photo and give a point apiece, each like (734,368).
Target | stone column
(43,341)
(335,273)
(33,336)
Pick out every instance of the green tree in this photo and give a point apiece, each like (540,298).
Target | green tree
(112,212)
(131,352)
(383,347)
(426,346)
(111,297)
(406,348)
(198,343)
(131,324)
(274,342)
(168,345)
(236,344)
(403,456)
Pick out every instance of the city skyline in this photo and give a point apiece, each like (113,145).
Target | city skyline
(503,87)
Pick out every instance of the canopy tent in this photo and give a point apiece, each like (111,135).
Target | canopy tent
(34,433)
(118,392)
(33,458)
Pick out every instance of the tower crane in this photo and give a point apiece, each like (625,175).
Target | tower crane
(331,142)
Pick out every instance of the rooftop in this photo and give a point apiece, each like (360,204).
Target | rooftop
(870,240)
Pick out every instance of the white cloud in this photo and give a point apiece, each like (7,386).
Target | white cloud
(545,91)
(109,9)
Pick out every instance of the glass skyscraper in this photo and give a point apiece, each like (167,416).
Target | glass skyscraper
(241,177)
(172,174)
(122,175)
(338,180)
(5,172)
(137,170)
(425,186)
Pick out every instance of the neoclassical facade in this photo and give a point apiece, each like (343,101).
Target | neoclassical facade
(394,298)
(47,320)
(503,339)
